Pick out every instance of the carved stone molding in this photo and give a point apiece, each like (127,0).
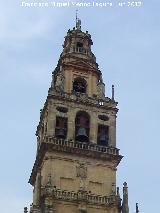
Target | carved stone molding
(81,170)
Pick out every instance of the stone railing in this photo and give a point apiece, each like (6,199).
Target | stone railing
(80,50)
(82,146)
(84,98)
(80,196)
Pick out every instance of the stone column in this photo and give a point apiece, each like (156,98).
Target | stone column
(93,128)
(37,190)
(36,194)
(125,207)
(89,82)
(112,131)
(71,126)
(51,121)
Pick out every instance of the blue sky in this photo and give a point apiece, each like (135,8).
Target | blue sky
(126,44)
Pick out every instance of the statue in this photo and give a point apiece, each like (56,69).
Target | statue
(100,88)
(59,84)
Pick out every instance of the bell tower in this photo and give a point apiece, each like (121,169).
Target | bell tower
(77,157)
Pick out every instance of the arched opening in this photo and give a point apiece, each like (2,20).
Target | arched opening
(80,85)
(61,127)
(103,135)
(82,124)
(79,44)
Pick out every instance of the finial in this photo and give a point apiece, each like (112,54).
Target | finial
(76,17)
(125,188)
(137,210)
(78,21)
(125,207)
(25,210)
(113,92)
(118,191)
(125,184)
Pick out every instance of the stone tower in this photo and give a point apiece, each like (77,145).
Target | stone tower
(77,157)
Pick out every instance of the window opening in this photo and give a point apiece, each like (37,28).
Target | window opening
(103,135)
(61,127)
(82,127)
(79,85)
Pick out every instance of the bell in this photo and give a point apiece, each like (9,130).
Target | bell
(61,133)
(82,135)
(103,140)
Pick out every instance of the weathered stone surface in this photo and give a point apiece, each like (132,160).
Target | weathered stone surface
(69,176)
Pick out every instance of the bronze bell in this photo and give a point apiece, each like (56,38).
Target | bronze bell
(61,133)
(103,139)
(82,135)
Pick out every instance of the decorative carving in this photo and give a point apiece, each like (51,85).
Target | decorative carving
(103,117)
(82,184)
(48,205)
(49,209)
(113,188)
(107,102)
(49,182)
(59,85)
(62,109)
(81,171)
(101,90)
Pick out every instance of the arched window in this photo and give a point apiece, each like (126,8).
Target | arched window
(61,127)
(79,44)
(82,124)
(80,85)
(103,135)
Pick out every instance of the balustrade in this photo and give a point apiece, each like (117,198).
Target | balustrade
(84,146)
(82,195)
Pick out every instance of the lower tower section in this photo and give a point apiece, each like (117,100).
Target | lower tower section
(75,177)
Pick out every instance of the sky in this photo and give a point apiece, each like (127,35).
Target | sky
(126,44)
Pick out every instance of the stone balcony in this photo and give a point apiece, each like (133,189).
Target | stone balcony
(71,196)
(79,50)
(93,147)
